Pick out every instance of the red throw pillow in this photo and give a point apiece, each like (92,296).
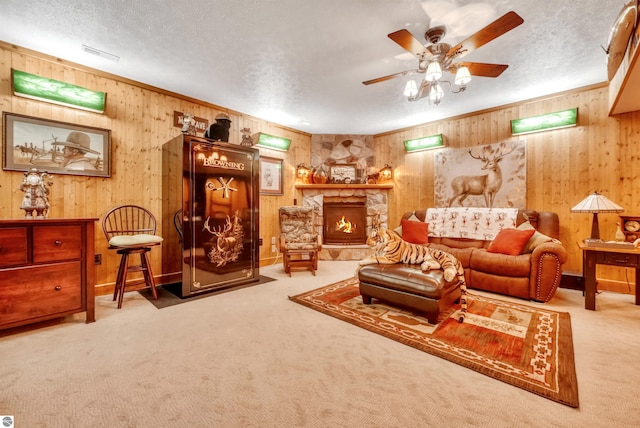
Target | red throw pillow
(510,241)
(416,232)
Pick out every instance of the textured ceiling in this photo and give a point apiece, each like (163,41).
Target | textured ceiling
(302,63)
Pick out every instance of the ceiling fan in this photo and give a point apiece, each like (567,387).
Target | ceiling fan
(437,57)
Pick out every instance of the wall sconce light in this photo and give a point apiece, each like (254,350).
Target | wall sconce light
(424,143)
(386,173)
(54,91)
(304,173)
(271,142)
(545,122)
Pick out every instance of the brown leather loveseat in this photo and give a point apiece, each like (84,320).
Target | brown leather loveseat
(534,275)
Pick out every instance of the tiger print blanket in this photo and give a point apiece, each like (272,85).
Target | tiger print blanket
(389,248)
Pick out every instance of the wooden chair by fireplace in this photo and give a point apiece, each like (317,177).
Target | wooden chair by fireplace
(299,241)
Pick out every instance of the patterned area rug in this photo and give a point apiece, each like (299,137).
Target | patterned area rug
(524,346)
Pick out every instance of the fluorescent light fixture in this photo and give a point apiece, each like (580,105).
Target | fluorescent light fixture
(271,142)
(424,143)
(545,122)
(54,91)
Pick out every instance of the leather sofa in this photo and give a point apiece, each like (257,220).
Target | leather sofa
(533,275)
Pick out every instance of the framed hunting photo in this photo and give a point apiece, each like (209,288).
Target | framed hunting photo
(56,147)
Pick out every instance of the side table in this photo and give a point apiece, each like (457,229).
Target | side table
(605,255)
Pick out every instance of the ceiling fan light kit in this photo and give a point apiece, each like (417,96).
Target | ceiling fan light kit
(437,57)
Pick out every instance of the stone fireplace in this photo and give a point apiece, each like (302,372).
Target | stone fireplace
(371,200)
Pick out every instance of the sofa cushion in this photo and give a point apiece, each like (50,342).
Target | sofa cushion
(416,232)
(537,238)
(412,217)
(510,241)
(501,264)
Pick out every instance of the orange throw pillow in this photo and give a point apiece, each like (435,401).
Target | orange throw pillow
(416,232)
(510,241)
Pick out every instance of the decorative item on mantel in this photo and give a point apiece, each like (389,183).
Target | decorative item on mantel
(596,203)
(319,176)
(386,173)
(304,173)
(36,193)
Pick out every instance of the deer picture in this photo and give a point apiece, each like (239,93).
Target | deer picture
(487,185)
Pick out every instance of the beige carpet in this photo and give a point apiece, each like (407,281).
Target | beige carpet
(252,358)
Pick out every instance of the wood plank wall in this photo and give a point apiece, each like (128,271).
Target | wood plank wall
(563,166)
(141,121)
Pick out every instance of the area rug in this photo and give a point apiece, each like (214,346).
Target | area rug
(528,347)
(168,294)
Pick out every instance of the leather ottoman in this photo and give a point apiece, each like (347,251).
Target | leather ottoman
(408,286)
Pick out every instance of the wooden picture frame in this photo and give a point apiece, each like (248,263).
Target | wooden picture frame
(343,173)
(55,147)
(271,176)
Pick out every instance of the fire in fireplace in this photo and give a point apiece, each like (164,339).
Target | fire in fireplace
(344,223)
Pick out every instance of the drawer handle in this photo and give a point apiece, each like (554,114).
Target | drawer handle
(58,243)
(58,288)
(625,260)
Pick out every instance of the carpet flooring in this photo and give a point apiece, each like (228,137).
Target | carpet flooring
(527,347)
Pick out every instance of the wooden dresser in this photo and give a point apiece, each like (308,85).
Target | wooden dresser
(46,270)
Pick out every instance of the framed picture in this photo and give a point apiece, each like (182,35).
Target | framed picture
(343,173)
(55,147)
(270,176)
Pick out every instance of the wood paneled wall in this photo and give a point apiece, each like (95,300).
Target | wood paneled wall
(141,121)
(563,166)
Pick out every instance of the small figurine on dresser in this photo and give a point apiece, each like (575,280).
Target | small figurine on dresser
(36,193)
(219,131)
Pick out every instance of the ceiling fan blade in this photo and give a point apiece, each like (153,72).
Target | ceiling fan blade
(409,43)
(480,68)
(391,76)
(497,28)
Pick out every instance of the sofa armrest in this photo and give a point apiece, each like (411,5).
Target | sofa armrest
(546,270)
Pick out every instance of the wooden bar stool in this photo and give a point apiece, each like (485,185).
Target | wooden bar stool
(131,229)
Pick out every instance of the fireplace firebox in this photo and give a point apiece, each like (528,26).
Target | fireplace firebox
(344,223)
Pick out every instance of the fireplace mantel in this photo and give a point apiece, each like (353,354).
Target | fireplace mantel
(344,186)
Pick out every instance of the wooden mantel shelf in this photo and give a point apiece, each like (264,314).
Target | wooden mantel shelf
(344,186)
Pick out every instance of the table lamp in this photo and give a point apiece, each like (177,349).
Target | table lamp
(596,203)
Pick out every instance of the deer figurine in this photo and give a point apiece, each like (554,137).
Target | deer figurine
(487,185)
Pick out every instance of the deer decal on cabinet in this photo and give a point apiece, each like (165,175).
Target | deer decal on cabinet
(487,184)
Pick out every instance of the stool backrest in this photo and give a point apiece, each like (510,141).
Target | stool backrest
(128,220)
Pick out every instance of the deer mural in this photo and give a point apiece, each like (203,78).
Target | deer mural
(487,185)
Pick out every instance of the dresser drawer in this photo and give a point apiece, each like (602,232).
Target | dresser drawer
(40,291)
(56,243)
(13,246)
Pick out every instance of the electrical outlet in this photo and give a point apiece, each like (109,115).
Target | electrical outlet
(273,249)
(273,240)
(97,259)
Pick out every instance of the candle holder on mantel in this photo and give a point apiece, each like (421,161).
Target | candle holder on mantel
(36,193)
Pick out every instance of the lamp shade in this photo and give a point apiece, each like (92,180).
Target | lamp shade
(462,76)
(597,203)
(434,72)
(411,89)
